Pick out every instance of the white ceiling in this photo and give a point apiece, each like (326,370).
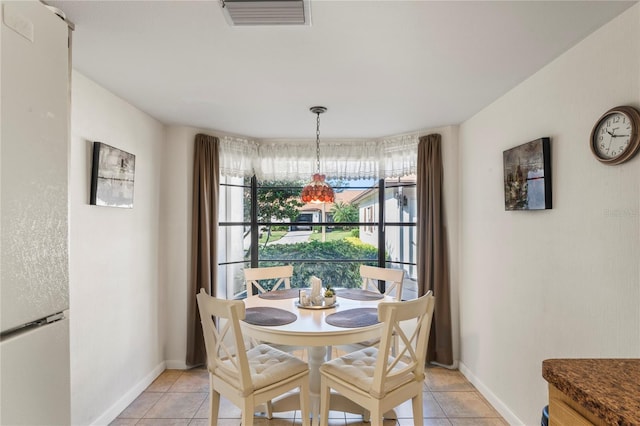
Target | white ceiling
(380,67)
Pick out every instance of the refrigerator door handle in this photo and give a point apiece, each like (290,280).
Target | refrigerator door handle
(54,317)
(34,324)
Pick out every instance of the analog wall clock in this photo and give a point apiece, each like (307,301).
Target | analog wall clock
(615,137)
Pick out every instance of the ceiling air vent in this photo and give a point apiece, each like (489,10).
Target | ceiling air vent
(266,12)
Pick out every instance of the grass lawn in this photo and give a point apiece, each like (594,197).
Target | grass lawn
(275,236)
(334,235)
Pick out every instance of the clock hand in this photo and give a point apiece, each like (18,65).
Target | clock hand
(610,140)
(619,136)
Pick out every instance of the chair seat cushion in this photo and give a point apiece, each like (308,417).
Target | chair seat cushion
(268,366)
(357,368)
(371,342)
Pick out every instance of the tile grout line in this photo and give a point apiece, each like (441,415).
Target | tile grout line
(432,392)
(164,393)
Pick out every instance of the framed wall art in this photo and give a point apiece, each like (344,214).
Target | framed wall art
(527,176)
(112,176)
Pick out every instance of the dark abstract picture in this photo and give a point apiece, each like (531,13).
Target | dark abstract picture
(112,176)
(527,176)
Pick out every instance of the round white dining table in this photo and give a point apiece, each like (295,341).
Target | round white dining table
(311,330)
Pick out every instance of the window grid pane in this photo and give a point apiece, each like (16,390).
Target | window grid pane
(328,243)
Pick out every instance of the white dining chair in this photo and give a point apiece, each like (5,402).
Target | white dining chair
(256,277)
(370,276)
(247,378)
(375,379)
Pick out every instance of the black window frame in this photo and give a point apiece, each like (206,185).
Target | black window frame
(255,225)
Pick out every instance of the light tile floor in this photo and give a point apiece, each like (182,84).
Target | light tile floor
(179,397)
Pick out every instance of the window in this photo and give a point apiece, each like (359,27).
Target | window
(263,223)
(369,218)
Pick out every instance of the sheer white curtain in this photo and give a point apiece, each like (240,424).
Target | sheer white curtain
(399,156)
(237,156)
(278,160)
(339,159)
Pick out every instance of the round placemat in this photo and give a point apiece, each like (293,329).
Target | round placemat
(358,317)
(358,294)
(263,315)
(290,293)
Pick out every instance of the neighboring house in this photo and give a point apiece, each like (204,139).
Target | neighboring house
(312,212)
(400,208)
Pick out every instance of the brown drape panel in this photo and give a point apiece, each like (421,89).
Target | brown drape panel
(204,239)
(433,262)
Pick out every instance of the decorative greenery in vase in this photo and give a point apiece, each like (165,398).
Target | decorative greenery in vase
(329,296)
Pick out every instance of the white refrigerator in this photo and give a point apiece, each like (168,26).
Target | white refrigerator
(34,274)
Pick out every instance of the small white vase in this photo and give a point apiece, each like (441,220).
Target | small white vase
(328,301)
(316,300)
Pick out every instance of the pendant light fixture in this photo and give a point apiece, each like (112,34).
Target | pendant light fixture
(317,191)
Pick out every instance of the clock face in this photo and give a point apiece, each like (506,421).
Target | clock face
(612,136)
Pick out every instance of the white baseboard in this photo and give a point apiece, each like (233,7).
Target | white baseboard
(500,406)
(117,408)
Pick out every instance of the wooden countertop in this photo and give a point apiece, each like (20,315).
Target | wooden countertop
(609,388)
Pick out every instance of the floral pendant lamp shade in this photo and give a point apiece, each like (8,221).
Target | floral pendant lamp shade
(317,191)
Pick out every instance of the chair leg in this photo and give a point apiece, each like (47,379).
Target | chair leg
(416,404)
(269,410)
(214,407)
(304,402)
(366,416)
(377,420)
(325,399)
(247,415)
(376,412)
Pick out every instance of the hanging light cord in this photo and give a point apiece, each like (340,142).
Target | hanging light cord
(317,191)
(318,142)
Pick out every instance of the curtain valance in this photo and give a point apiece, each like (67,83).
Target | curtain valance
(237,156)
(339,159)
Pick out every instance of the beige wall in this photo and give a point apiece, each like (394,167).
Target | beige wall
(116,335)
(563,282)
(176,238)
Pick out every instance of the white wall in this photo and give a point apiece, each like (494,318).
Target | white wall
(116,316)
(560,283)
(175,242)
(177,178)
